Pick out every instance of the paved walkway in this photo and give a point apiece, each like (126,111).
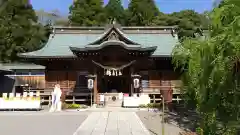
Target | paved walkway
(40,123)
(112,123)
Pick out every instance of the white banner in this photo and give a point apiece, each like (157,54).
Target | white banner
(19,104)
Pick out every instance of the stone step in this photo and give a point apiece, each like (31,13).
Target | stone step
(117,103)
(114,102)
(111,104)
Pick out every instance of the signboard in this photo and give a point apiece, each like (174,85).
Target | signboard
(90,83)
(136,83)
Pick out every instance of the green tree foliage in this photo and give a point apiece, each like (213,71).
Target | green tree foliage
(204,20)
(141,12)
(164,20)
(115,10)
(189,22)
(87,13)
(211,81)
(138,13)
(19,30)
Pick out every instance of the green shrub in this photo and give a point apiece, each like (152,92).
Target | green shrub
(157,105)
(142,106)
(73,106)
(150,105)
(83,106)
(154,105)
(199,131)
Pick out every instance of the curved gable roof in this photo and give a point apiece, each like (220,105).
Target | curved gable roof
(113,33)
(114,43)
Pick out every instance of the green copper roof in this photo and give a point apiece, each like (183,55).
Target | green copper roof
(59,43)
(21,66)
(4,69)
(164,42)
(11,67)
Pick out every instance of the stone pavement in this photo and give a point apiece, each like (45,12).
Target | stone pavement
(112,123)
(40,123)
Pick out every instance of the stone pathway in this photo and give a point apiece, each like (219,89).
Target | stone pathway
(112,123)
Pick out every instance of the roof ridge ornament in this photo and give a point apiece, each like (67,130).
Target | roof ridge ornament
(174,33)
(113,24)
(114,21)
(53,33)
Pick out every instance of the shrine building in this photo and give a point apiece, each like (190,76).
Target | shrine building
(113,54)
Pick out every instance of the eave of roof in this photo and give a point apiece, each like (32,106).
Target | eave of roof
(114,43)
(45,57)
(122,27)
(4,69)
(21,66)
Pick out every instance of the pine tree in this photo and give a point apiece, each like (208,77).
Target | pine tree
(87,13)
(115,10)
(141,12)
(19,30)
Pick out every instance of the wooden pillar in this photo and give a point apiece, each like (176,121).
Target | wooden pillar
(132,88)
(95,88)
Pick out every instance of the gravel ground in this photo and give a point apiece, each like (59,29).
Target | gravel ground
(40,123)
(152,121)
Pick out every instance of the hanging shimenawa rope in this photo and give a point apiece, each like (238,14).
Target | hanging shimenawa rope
(113,71)
(114,68)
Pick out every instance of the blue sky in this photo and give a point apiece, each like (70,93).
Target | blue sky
(166,6)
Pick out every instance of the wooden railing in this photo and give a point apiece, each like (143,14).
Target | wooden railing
(83,94)
(157,89)
(46,96)
(155,95)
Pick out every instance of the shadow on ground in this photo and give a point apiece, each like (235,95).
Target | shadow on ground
(176,120)
(153,122)
(185,118)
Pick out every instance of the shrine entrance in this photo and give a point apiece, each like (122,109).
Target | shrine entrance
(113,57)
(114,81)
(114,84)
